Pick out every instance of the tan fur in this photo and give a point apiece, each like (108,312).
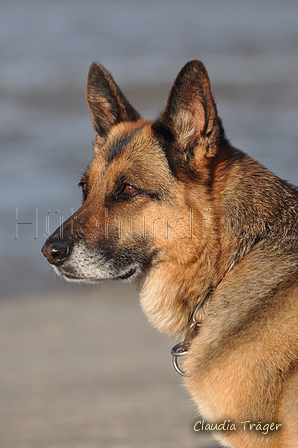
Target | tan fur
(204,223)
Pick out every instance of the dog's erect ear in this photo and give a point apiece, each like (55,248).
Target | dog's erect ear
(108,106)
(190,114)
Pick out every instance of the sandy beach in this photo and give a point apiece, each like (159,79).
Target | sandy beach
(87,371)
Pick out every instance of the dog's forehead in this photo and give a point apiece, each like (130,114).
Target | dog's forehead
(127,137)
(132,146)
(116,141)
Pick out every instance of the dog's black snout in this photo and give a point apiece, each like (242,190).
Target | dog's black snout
(57,251)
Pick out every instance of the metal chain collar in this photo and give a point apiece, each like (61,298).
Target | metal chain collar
(181,348)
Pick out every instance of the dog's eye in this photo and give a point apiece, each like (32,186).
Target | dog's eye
(130,190)
(83,185)
(127,191)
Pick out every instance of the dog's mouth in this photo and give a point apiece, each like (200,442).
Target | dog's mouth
(128,274)
(68,273)
(89,265)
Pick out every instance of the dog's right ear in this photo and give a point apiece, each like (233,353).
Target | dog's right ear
(108,106)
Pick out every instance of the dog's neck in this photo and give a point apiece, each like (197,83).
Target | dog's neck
(171,289)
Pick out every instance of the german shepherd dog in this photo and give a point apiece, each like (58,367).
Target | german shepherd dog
(209,237)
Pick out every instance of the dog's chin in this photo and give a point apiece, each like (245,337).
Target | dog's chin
(133,273)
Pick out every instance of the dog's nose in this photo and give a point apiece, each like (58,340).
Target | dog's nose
(56,251)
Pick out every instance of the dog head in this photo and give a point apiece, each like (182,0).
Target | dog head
(147,187)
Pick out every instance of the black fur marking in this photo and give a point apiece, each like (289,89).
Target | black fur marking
(121,143)
(119,146)
(166,140)
(122,259)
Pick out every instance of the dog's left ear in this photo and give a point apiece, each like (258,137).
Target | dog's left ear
(190,114)
(108,106)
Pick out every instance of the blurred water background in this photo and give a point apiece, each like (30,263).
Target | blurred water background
(46,47)
(250,50)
